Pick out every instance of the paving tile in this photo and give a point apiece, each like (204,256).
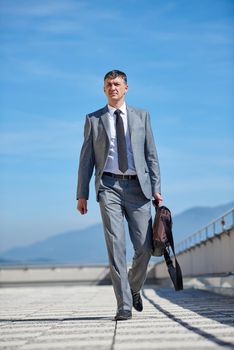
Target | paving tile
(81,317)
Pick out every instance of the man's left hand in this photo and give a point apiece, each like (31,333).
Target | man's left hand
(158,198)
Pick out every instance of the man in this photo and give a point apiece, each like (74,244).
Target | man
(118,142)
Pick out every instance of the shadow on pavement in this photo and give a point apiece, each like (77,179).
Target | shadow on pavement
(87,318)
(203,303)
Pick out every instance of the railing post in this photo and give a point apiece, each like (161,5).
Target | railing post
(214,229)
(206,232)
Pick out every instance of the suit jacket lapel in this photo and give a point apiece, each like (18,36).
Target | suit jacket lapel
(106,123)
(130,117)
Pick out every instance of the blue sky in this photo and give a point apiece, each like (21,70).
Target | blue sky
(178,56)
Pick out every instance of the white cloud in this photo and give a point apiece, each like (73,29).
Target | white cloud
(61,26)
(29,70)
(39,9)
(47,138)
(201,190)
(58,16)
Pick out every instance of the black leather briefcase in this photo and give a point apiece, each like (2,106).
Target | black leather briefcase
(163,241)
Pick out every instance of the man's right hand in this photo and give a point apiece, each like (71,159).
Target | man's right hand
(82,206)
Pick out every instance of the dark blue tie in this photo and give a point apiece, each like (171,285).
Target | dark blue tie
(121,143)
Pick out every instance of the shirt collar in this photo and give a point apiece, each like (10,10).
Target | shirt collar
(123,109)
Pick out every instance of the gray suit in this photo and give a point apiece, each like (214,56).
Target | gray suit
(122,198)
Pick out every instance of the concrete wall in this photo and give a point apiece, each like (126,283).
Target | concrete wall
(216,255)
(40,275)
(56,274)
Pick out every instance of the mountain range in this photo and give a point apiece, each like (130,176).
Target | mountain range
(87,246)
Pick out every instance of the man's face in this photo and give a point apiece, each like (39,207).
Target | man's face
(115,89)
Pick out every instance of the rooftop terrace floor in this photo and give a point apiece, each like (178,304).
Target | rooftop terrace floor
(81,317)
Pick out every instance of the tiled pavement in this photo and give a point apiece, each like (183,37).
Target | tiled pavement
(80,317)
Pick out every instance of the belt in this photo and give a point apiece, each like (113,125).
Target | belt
(122,177)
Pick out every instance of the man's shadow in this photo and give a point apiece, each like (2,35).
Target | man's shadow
(203,303)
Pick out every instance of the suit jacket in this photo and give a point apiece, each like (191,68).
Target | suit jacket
(96,145)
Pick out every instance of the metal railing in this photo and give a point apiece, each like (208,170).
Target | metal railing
(223,223)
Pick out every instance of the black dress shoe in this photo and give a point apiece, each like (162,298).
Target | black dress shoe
(137,301)
(123,315)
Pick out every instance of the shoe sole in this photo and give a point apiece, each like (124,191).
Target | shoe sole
(138,309)
(122,318)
